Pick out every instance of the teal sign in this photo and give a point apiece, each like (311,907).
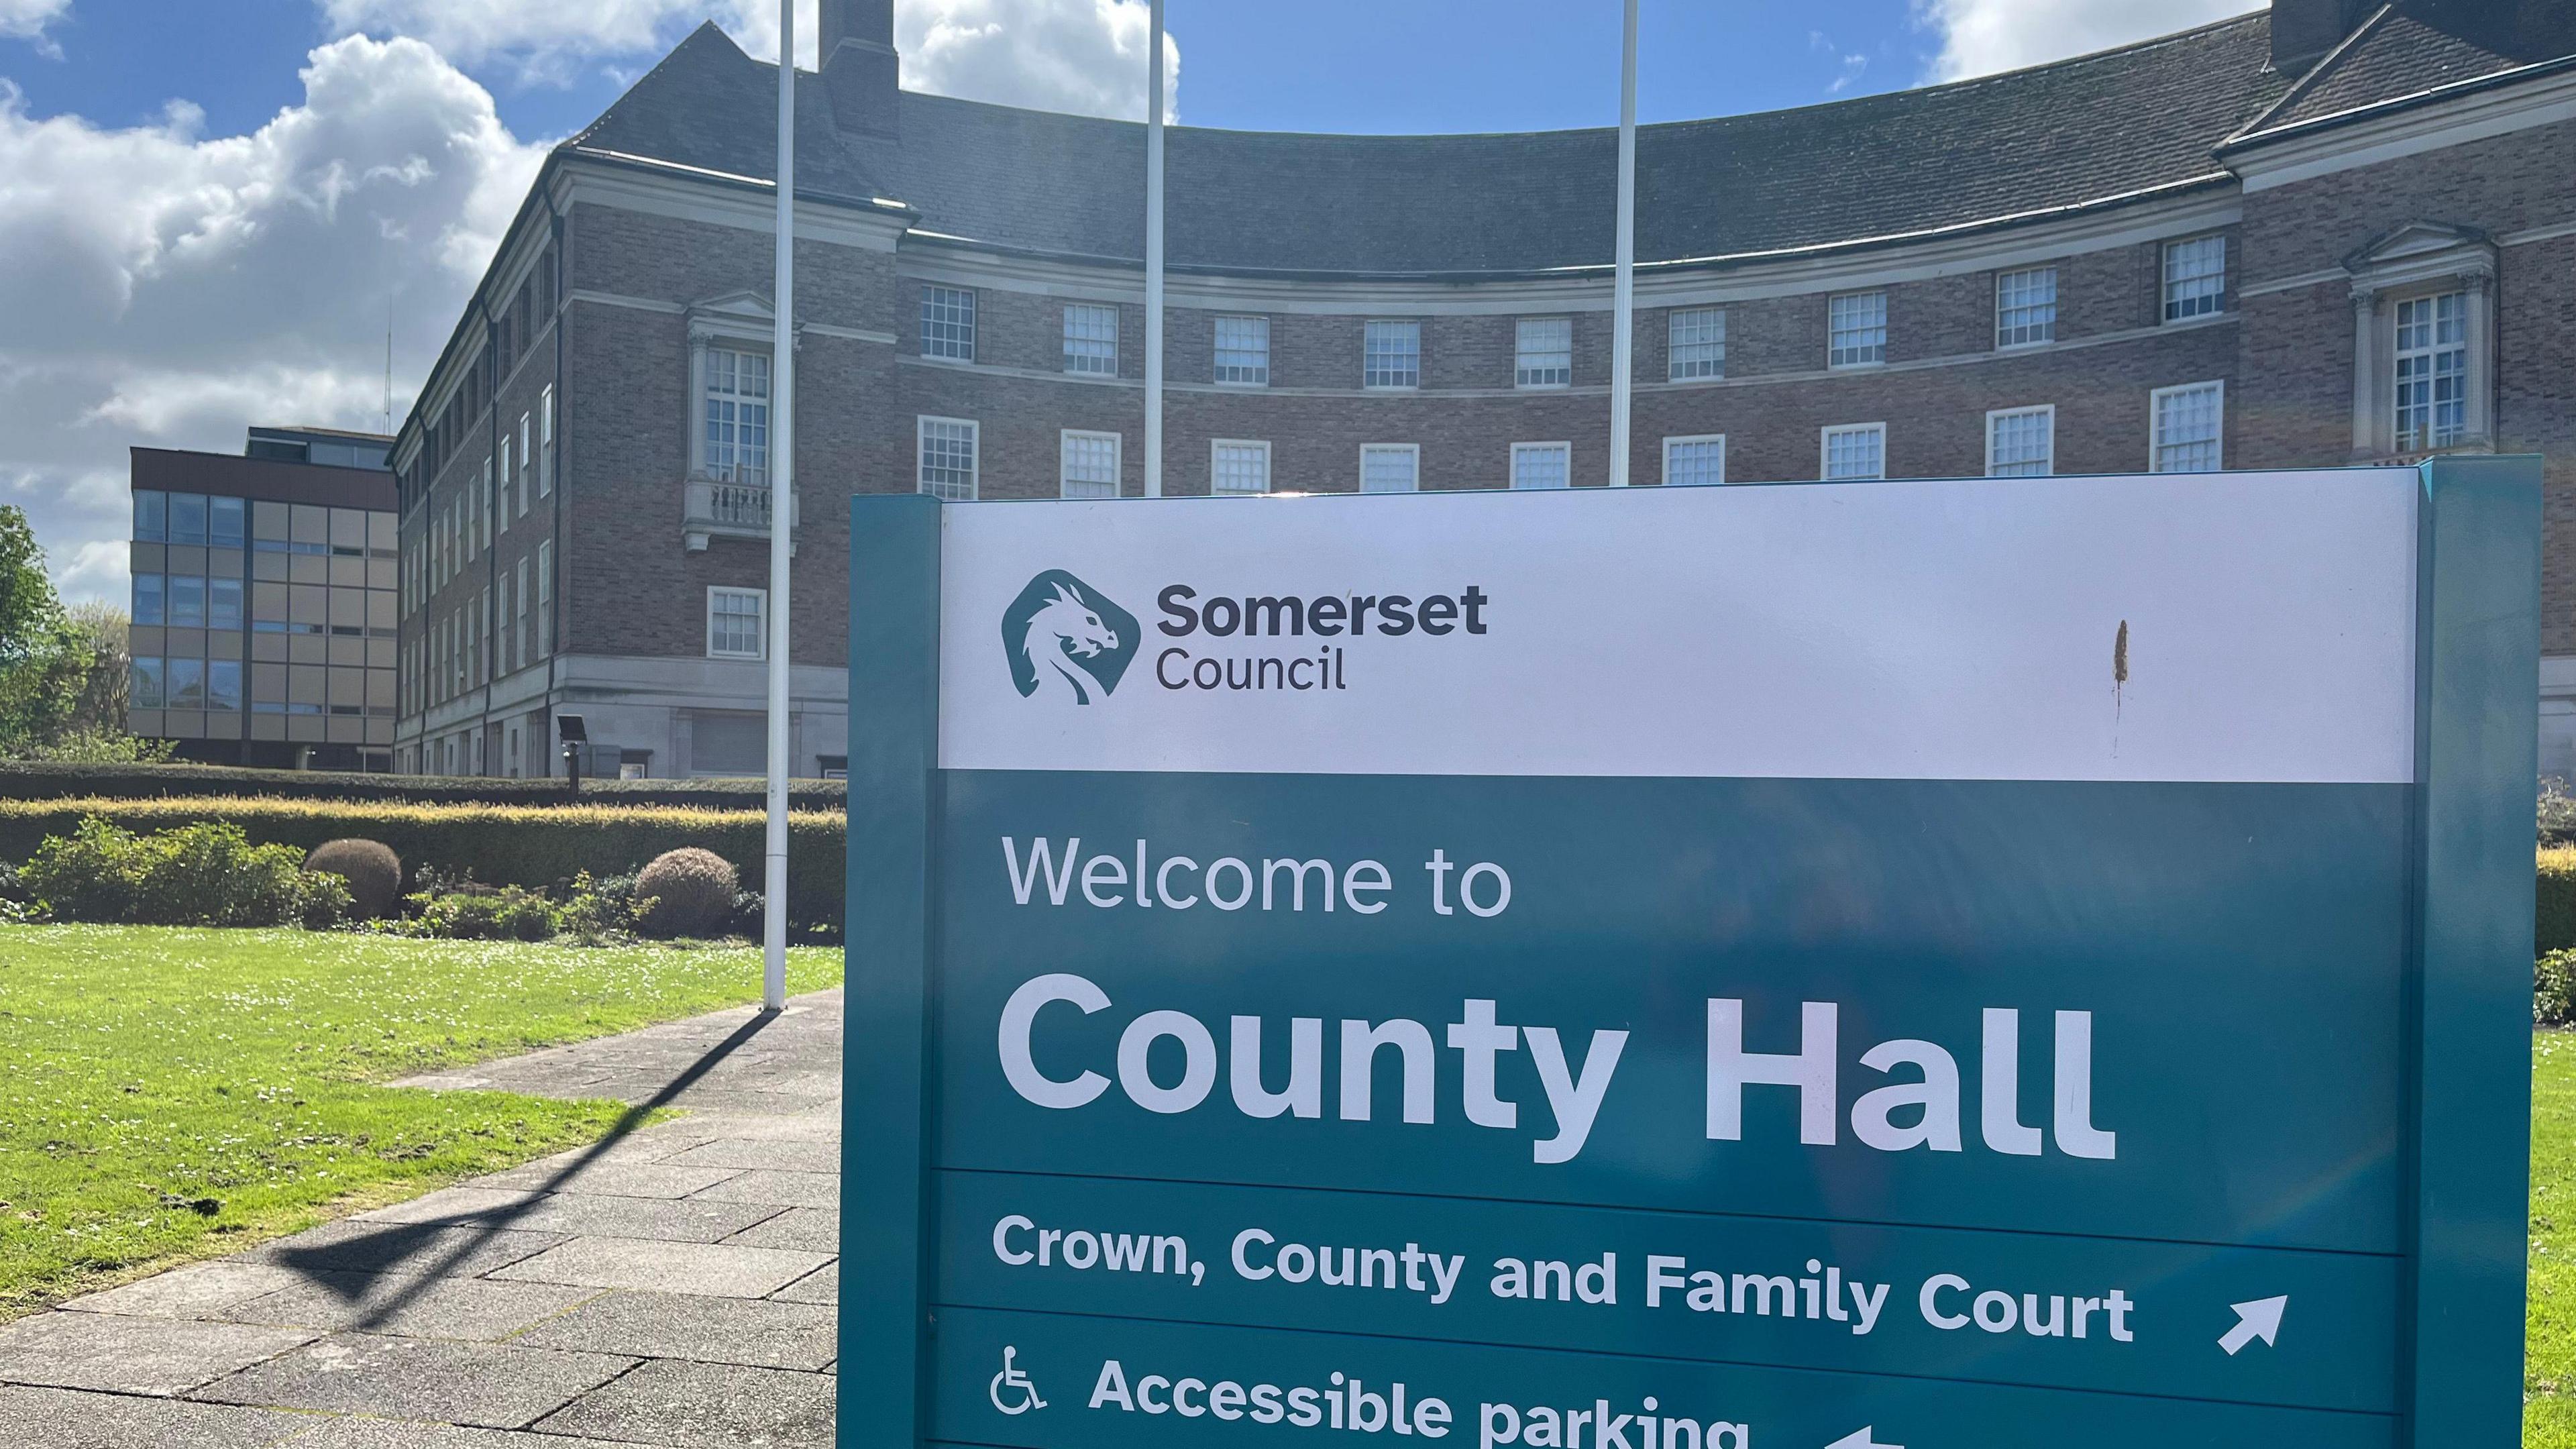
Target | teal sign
(1963,965)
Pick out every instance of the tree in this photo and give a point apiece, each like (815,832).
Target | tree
(62,671)
(36,655)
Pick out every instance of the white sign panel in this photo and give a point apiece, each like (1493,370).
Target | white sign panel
(2208,627)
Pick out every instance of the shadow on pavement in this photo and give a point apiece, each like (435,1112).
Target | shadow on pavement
(392,1248)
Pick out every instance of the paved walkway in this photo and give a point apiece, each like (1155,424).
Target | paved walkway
(674,1285)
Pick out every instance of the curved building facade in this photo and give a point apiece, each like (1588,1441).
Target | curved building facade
(2329,234)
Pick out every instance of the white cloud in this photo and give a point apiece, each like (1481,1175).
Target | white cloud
(1085,56)
(1980,37)
(166,288)
(27,19)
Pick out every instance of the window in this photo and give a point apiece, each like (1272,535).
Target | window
(187,601)
(223,603)
(546,438)
(1689,462)
(1089,465)
(2186,422)
(2021,442)
(1238,469)
(483,511)
(1855,450)
(1542,465)
(151,516)
(1392,355)
(508,477)
(224,522)
(1091,340)
(144,684)
(521,626)
(1544,352)
(948,458)
(149,596)
(1243,351)
(224,684)
(2432,371)
(1696,344)
(545,598)
(1390,467)
(737,416)
(482,645)
(187,518)
(737,626)
(527,463)
(1856,324)
(502,653)
(2195,277)
(187,683)
(948,323)
(2026,307)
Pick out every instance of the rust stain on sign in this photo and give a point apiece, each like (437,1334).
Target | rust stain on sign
(2120,656)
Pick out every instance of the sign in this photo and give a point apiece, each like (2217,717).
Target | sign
(1995,963)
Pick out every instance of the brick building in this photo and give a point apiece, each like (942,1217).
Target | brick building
(2332,233)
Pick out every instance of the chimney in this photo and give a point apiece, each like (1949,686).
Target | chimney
(2302,30)
(860,70)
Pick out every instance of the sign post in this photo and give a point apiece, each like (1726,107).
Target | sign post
(1994,962)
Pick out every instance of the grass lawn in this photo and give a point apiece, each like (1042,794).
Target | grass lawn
(2549,1353)
(168,1094)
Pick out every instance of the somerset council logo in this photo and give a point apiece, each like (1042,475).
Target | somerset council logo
(1064,636)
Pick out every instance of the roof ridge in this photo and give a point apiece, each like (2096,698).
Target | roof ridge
(2315,73)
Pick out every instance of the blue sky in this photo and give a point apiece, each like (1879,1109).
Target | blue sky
(1312,65)
(214,208)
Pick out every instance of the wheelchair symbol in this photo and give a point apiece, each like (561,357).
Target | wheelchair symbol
(1023,1390)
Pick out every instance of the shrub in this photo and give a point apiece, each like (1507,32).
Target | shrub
(2553,926)
(374,874)
(692,892)
(205,874)
(599,911)
(2553,989)
(322,900)
(484,913)
(537,847)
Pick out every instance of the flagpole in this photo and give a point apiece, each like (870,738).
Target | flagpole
(1623,289)
(1154,253)
(782,514)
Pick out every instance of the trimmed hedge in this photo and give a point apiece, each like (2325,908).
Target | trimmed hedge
(150,782)
(2554,922)
(527,845)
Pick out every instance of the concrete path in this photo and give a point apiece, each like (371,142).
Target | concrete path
(674,1285)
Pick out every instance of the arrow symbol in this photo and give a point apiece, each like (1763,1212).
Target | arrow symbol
(2258,1319)
(1861,1440)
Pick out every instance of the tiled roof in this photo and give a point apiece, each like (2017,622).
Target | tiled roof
(2407,49)
(2056,136)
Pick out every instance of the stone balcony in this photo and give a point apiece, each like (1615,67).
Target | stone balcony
(711,510)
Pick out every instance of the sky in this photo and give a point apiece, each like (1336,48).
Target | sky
(213,214)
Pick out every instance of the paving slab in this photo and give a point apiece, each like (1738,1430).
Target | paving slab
(823,1285)
(356,1247)
(120,1355)
(612,1176)
(756,1332)
(63,1419)
(719,1406)
(408,1434)
(788,1154)
(496,1386)
(199,1290)
(708,1269)
(806,1230)
(790,1189)
(465,1206)
(408,1307)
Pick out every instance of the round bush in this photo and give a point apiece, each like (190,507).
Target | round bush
(692,892)
(373,871)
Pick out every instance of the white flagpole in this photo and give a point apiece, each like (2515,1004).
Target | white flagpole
(1154,254)
(1623,290)
(782,512)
